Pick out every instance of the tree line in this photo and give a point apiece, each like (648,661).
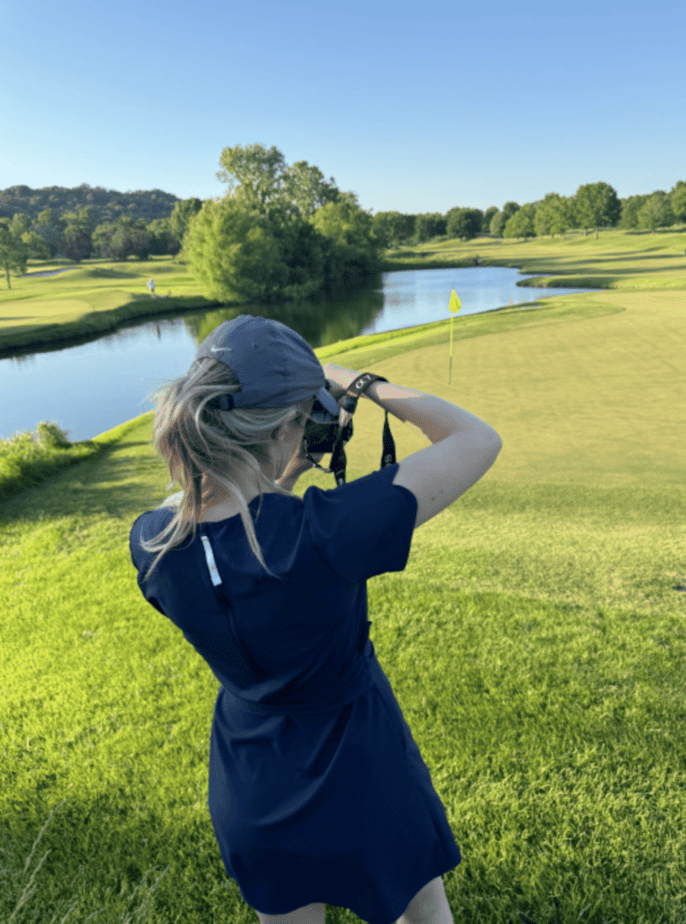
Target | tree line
(286,232)
(107,204)
(78,236)
(594,206)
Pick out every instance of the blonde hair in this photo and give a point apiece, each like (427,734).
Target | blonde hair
(195,439)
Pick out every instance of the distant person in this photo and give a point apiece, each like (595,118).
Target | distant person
(151,286)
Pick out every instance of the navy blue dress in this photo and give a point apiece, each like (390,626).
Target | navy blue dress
(317,789)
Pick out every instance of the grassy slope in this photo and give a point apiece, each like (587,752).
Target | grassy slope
(535,641)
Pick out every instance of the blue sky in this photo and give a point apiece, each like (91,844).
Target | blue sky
(416,106)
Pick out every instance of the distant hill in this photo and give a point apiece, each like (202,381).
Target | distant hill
(108,204)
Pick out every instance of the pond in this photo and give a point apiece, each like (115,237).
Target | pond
(90,388)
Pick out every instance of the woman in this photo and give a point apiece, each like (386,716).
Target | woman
(318,793)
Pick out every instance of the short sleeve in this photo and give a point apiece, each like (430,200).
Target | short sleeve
(365,527)
(142,560)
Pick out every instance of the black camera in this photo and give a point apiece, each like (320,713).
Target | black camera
(324,434)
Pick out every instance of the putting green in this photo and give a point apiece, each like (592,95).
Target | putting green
(45,311)
(550,389)
(35,312)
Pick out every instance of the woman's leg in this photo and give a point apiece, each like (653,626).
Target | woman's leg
(308,914)
(429,906)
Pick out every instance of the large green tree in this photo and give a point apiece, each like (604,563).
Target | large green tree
(631,206)
(464,223)
(237,251)
(677,197)
(596,205)
(656,212)
(554,215)
(118,240)
(429,225)
(500,219)
(306,187)
(351,248)
(488,218)
(254,174)
(392,228)
(20,224)
(521,224)
(78,231)
(12,252)
(162,239)
(280,232)
(184,211)
(51,228)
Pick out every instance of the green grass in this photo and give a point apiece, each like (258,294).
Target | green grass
(535,642)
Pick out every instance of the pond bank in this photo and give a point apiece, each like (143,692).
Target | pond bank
(140,308)
(84,328)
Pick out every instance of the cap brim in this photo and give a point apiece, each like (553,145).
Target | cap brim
(325,397)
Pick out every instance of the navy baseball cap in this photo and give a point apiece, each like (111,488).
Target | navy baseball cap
(275,367)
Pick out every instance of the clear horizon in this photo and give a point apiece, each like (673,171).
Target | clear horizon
(413,109)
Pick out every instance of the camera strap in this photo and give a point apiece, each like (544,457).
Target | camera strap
(348,402)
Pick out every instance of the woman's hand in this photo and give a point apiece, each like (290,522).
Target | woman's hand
(339,378)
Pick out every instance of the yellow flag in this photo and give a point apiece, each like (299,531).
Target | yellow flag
(454,307)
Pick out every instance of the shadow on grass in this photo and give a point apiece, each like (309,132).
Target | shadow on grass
(114,482)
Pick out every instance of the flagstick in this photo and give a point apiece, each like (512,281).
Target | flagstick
(454,307)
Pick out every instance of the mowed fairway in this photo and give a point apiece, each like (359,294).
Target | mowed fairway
(93,297)
(536,642)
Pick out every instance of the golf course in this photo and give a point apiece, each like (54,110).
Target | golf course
(536,640)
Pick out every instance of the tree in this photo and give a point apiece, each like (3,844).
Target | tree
(656,212)
(180,218)
(428,226)
(118,240)
(392,228)
(254,173)
(488,218)
(521,224)
(50,228)
(596,205)
(631,206)
(495,229)
(12,252)
(36,248)
(351,250)
(677,196)
(234,252)
(78,232)
(500,219)
(554,214)
(20,224)
(306,187)
(280,232)
(162,240)
(261,178)
(464,223)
